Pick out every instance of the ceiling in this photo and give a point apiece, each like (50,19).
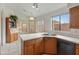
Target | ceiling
(26,8)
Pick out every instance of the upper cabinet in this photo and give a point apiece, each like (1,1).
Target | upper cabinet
(74,17)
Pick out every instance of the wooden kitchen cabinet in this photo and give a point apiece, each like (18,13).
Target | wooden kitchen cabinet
(28,47)
(10,36)
(46,45)
(39,46)
(74,17)
(50,46)
(29,50)
(77,49)
(14,37)
(33,47)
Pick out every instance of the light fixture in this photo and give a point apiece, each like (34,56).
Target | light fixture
(35,5)
(31,18)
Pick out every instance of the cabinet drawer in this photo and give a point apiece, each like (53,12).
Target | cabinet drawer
(50,45)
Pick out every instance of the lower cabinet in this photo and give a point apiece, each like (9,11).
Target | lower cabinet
(28,47)
(77,49)
(33,47)
(46,45)
(39,46)
(13,37)
(29,50)
(50,45)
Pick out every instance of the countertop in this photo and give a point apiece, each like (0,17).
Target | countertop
(25,37)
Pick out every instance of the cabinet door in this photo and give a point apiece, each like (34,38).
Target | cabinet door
(50,45)
(16,36)
(38,46)
(74,17)
(29,47)
(12,37)
(8,33)
(29,50)
(77,49)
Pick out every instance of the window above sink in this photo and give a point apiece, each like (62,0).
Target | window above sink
(61,22)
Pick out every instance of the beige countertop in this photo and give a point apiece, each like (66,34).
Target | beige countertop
(25,37)
(74,40)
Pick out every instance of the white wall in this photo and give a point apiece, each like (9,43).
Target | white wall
(72,4)
(0,30)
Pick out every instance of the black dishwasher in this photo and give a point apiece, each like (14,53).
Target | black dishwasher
(65,47)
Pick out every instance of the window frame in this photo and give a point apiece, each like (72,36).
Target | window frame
(60,20)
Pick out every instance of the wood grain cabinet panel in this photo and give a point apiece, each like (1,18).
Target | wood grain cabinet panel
(45,45)
(16,36)
(28,47)
(39,46)
(10,36)
(77,49)
(29,50)
(50,45)
(74,17)
(33,47)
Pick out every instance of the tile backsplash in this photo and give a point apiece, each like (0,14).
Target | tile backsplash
(71,33)
(75,31)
